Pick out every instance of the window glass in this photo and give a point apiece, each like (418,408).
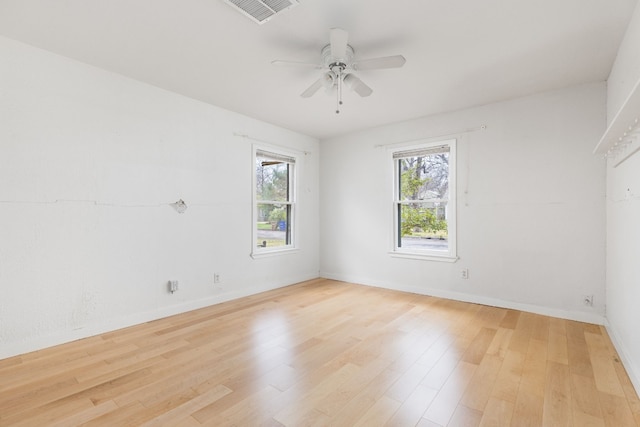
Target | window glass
(274,207)
(424,216)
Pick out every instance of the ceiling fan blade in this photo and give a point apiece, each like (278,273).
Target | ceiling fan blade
(395,61)
(357,85)
(311,90)
(338,39)
(298,64)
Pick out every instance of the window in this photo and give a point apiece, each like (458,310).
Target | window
(424,200)
(274,201)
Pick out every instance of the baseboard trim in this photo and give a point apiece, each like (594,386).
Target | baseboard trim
(475,299)
(633,371)
(63,337)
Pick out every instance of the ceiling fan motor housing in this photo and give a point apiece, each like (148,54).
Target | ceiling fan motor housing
(330,61)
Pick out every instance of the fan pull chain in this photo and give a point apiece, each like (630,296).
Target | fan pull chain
(339,94)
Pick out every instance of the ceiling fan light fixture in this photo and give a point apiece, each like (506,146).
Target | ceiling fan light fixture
(329,80)
(357,85)
(350,80)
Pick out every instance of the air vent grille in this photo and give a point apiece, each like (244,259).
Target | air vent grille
(261,10)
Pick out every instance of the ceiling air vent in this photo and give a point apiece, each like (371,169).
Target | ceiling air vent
(261,10)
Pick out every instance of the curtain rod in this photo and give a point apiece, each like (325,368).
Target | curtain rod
(468,130)
(284,147)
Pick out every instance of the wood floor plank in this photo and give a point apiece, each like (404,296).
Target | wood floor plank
(557,409)
(379,413)
(629,391)
(296,414)
(250,409)
(412,409)
(510,319)
(557,326)
(602,362)
(528,410)
(184,411)
(534,376)
(436,351)
(83,416)
(500,343)
(120,417)
(51,412)
(577,350)
(491,317)
(361,403)
(508,381)
(185,422)
(497,413)
(540,328)
(332,403)
(328,353)
(10,362)
(407,382)
(616,411)
(411,349)
(478,347)
(558,348)
(479,390)
(441,371)
(580,419)
(446,402)
(282,377)
(465,417)
(426,423)
(584,396)
(522,333)
(543,394)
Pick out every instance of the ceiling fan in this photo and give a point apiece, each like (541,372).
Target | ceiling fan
(338,65)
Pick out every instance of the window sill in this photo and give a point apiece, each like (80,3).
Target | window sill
(423,257)
(275,252)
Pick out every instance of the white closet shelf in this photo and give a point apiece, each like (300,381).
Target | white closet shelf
(624,123)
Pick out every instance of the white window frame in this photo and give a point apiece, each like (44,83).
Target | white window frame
(450,255)
(278,153)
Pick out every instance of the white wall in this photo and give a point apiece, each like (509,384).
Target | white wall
(623,216)
(626,68)
(531,209)
(89,161)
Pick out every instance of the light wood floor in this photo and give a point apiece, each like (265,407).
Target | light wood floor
(328,353)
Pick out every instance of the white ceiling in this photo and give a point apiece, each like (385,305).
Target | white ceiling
(460,53)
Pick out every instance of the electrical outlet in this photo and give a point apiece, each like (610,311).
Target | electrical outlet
(216,277)
(464,273)
(588,300)
(173,286)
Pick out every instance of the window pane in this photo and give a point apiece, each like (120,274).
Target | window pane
(274,225)
(272,180)
(424,177)
(423,226)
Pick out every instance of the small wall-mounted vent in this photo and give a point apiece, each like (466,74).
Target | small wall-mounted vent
(261,10)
